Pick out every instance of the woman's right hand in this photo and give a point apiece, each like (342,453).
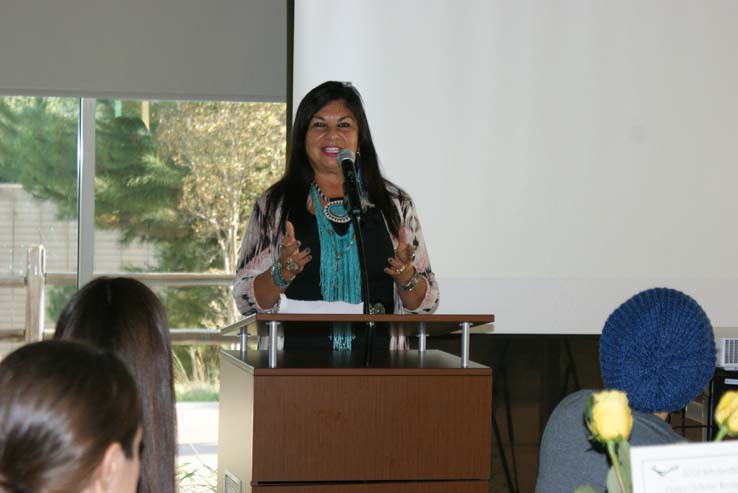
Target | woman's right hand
(292,260)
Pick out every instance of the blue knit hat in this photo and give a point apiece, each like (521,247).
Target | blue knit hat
(658,347)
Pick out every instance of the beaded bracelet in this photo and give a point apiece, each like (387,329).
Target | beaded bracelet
(412,283)
(279,281)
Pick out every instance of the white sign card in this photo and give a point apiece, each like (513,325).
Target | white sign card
(287,305)
(709,467)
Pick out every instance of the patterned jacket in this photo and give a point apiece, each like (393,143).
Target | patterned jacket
(260,249)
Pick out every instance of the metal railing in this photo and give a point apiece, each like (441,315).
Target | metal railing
(36,279)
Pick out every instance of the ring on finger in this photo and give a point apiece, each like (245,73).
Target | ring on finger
(401,269)
(291,265)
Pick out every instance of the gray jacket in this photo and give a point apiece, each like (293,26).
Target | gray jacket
(569,460)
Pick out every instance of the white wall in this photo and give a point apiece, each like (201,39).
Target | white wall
(563,154)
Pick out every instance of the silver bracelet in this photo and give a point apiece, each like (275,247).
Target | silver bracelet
(412,283)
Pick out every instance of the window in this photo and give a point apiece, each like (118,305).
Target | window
(175,182)
(38,196)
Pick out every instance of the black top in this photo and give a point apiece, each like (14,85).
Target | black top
(377,245)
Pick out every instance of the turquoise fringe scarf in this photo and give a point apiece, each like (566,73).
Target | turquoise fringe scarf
(340,277)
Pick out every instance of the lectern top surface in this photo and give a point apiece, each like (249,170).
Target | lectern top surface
(453,319)
(392,325)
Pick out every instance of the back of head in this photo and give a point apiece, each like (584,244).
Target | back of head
(125,317)
(659,348)
(62,404)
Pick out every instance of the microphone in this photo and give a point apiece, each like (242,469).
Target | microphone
(351,195)
(352,203)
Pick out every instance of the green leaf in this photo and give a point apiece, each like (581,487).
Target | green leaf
(587,488)
(613,486)
(624,458)
(588,405)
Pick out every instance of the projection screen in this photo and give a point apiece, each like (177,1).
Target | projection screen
(563,155)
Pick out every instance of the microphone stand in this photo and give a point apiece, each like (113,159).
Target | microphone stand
(352,202)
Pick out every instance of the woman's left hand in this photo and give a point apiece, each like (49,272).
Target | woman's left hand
(400,267)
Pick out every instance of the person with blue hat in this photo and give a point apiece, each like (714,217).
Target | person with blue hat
(659,348)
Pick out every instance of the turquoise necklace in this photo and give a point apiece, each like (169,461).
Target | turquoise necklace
(334,210)
(340,278)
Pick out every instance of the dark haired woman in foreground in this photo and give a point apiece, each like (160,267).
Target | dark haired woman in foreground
(70,421)
(123,316)
(299,239)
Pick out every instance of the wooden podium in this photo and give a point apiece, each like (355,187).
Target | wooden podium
(299,421)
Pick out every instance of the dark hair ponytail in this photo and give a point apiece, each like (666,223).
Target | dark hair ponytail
(123,316)
(62,404)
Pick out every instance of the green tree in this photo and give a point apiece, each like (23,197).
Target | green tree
(136,191)
(186,183)
(232,151)
(37,150)
(8,123)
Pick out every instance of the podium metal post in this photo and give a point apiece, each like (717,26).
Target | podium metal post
(273,326)
(465,344)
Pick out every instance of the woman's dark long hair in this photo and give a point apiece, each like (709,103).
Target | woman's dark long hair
(292,189)
(125,317)
(62,404)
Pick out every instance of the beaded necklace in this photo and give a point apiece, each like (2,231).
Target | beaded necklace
(334,210)
(340,278)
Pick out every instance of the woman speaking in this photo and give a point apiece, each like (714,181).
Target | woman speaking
(300,240)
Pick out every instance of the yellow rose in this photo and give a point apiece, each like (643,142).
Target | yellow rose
(732,424)
(726,413)
(610,418)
